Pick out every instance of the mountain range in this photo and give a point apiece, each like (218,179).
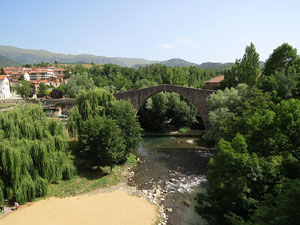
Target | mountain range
(5,62)
(13,56)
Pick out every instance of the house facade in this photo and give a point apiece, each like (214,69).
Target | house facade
(4,88)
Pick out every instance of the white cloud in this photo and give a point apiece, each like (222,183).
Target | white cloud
(167,46)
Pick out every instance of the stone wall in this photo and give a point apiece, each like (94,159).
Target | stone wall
(194,95)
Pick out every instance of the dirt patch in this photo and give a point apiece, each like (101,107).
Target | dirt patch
(112,208)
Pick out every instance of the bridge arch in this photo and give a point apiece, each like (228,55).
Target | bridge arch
(195,95)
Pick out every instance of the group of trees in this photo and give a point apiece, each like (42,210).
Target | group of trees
(168,110)
(41,64)
(115,78)
(254,175)
(107,129)
(33,153)
(24,88)
(34,150)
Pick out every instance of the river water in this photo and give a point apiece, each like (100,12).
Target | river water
(177,164)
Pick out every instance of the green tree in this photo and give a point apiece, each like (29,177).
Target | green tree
(279,209)
(167,109)
(24,88)
(245,70)
(2,72)
(42,64)
(283,70)
(78,82)
(103,141)
(249,66)
(143,83)
(283,59)
(224,105)
(107,129)
(34,152)
(238,180)
(124,114)
(42,90)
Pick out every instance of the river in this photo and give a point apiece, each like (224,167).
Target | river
(177,165)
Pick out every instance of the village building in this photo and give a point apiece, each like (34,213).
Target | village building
(47,75)
(4,87)
(27,76)
(214,83)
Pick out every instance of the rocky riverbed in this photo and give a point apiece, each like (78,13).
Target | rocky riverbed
(170,173)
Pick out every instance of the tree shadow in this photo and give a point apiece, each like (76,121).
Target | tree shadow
(82,164)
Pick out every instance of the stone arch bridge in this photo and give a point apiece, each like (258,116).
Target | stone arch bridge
(195,95)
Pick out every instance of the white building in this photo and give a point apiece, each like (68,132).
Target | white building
(4,88)
(27,76)
(40,75)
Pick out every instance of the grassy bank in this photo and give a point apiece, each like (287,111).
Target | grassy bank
(91,180)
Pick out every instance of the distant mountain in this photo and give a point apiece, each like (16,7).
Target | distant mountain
(5,62)
(222,66)
(18,56)
(25,56)
(178,62)
(216,66)
(131,62)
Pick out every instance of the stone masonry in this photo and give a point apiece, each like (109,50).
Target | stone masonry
(196,96)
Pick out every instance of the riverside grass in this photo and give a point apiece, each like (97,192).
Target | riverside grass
(80,184)
(33,153)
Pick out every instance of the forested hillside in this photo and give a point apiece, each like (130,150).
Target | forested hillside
(27,56)
(5,62)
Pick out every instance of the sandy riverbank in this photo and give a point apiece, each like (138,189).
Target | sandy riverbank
(113,208)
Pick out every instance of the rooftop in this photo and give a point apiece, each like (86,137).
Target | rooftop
(217,79)
(2,77)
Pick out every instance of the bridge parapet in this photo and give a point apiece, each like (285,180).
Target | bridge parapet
(196,96)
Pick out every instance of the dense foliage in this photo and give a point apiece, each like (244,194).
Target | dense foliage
(24,88)
(115,78)
(244,70)
(254,175)
(33,153)
(167,110)
(107,129)
(43,90)
(76,83)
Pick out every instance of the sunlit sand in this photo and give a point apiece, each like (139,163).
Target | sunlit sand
(114,208)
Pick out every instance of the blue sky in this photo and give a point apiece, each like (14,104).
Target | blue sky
(194,30)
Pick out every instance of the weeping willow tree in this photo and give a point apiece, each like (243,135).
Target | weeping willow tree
(107,129)
(33,153)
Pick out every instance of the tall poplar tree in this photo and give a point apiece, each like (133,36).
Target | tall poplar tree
(245,70)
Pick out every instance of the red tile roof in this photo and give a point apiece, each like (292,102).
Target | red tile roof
(215,79)
(2,77)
